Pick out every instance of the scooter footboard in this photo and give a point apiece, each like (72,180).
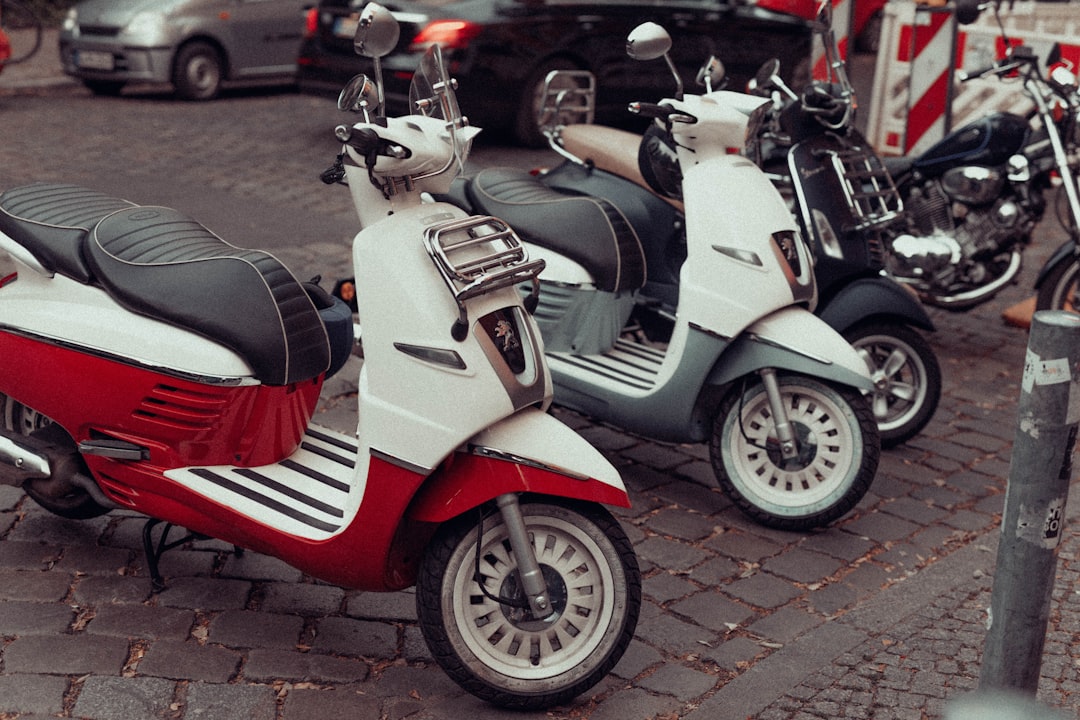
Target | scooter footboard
(793,339)
(528,452)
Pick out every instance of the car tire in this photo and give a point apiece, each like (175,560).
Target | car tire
(525,128)
(197,71)
(104,88)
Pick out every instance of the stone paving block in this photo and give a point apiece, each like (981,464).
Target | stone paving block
(638,658)
(414,647)
(142,621)
(732,653)
(763,590)
(681,524)
(358,638)
(340,702)
(664,587)
(686,684)
(33,618)
(247,629)
(704,500)
(33,585)
(832,598)
(189,661)
(113,590)
(803,566)
(28,555)
(39,525)
(205,594)
(393,607)
(635,703)
(306,599)
(96,560)
(256,566)
(7,521)
(713,610)
(923,513)
(428,684)
(785,624)
(209,701)
(270,665)
(40,694)
(113,698)
(78,654)
(881,527)
(715,572)
(668,555)
(674,636)
(10,497)
(743,546)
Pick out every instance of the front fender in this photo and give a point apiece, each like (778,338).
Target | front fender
(529,451)
(1064,253)
(873,296)
(793,339)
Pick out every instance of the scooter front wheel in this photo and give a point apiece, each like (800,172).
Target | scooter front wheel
(838,452)
(502,653)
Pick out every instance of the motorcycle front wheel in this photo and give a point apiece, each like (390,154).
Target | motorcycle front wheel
(906,375)
(1060,288)
(505,655)
(838,452)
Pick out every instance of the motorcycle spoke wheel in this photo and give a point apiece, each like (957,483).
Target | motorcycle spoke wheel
(839,448)
(906,376)
(1060,290)
(504,654)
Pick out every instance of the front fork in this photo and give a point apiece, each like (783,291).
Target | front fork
(785,431)
(529,573)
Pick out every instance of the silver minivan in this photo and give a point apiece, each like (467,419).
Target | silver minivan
(195,45)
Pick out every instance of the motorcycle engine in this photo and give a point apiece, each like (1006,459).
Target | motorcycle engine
(963,231)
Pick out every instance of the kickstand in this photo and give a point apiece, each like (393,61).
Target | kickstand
(153,554)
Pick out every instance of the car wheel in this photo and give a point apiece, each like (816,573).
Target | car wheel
(526,130)
(104,88)
(197,71)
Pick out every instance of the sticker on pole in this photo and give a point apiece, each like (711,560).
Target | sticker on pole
(1042,527)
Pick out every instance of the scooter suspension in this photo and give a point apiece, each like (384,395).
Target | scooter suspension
(785,431)
(529,573)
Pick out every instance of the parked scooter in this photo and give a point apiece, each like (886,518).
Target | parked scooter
(743,365)
(877,316)
(180,374)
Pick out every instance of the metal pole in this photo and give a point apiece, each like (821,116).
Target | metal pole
(1031,527)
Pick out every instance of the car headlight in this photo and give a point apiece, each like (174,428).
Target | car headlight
(71,21)
(144,25)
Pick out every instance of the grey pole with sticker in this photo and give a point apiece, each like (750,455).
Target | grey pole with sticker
(1032,524)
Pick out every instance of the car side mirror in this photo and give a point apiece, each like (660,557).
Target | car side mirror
(377,32)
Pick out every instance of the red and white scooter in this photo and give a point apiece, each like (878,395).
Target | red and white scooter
(180,375)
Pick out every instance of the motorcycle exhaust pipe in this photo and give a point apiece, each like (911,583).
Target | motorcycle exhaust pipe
(21,459)
(50,461)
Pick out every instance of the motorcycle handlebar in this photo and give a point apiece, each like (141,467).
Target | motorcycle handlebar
(664,112)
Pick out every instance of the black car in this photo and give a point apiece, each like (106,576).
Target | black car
(501,50)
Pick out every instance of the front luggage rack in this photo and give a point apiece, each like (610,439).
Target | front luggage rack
(477,255)
(868,187)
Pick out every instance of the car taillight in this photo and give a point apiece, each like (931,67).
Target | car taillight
(311,23)
(447,34)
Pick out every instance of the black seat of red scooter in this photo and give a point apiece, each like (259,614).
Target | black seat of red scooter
(589,230)
(160,263)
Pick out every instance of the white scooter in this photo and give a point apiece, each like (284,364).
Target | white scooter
(180,374)
(747,368)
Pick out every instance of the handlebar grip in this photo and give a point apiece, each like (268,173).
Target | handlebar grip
(650,110)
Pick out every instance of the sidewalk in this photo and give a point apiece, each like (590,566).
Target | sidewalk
(881,615)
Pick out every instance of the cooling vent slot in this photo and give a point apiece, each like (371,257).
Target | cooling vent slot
(183,409)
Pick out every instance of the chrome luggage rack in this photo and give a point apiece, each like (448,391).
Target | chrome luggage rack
(868,187)
(477,255)
(569,98)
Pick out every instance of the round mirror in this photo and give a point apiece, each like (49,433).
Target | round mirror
(766,73)
(967,11)
(647,41)
(356,92)
(712,74)
(377,32)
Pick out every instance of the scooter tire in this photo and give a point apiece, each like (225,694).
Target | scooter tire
(504,655)
(906,374)
(1060,289)
(839,453)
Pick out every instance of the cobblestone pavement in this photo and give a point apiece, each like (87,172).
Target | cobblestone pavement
(879,616)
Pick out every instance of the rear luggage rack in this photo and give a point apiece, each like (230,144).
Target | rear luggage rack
(569,98)
(868,187)
(477,255)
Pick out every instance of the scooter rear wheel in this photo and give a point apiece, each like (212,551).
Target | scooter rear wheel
(1060,289)
(839,448)
(505,655)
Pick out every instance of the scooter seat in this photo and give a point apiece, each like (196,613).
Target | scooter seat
(51,221)
(160,263)
(591,231)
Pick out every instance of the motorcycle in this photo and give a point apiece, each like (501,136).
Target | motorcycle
(878,317)
(178,375)
(743,365)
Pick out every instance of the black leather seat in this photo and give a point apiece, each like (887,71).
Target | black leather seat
(160,263)
(591,231)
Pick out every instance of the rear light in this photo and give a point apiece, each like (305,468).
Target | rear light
(311,23)
(447,34)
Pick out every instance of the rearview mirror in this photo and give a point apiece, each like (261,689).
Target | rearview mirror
(377,32)
(648,41)
(967,11)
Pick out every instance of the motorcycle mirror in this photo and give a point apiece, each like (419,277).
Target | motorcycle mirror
(711,74)
(967,11)
(1063,77)
(377,32)
(766,73)
(357,94)
(648,41)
